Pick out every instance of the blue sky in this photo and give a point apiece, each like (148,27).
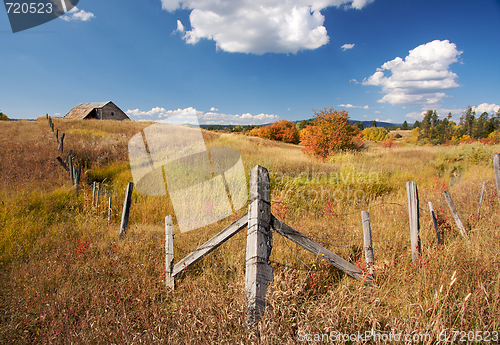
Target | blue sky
(253,62)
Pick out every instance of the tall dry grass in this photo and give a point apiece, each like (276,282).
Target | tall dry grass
(66,278)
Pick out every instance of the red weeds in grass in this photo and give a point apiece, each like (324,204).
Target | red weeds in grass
(328,209)
(278,207)
(440,184)
(82,247)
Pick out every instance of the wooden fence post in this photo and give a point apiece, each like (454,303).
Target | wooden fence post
(126,209)
(71,170)
(169,253)
(97,194)
(496,166)
(93,195)
(367,238)
(481,200)
(413,212)
(61,143)
(57,135)
(77,179)
(434,221)
(454,212)
(109,210)
(258,273)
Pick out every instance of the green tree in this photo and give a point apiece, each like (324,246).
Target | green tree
(416,125)
(360,125)
(3,117)
(467,121)
(405,127)
(374,123)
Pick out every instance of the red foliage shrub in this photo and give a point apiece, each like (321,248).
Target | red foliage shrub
(489,141)
(388,143)
(283,130)
(331,132)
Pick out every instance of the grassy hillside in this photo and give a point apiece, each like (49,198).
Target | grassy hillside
(65,277)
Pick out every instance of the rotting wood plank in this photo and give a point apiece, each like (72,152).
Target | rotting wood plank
(169,253)
(315,248)
(210,245)
(454,212)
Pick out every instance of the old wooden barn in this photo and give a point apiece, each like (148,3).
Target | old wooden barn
(99,111)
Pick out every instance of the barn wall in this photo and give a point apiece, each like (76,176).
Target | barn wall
(112,112)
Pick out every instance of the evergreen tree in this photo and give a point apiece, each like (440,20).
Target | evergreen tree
(467,121)
(416,125)
(360,125)
(405,127)
(374,123)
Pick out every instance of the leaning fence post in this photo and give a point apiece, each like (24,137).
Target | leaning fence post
(169,253)
(71,170)
(496,166)
(413,212)
(454,212)
(367,238)
(258,274)
(61,143)
(481,199)
(126,209)
(434,221)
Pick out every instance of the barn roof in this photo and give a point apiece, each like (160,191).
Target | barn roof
(83,109)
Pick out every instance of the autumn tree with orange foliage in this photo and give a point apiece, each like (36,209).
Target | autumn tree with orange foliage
(283,130)
(330,132)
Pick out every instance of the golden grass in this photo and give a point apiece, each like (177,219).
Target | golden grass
(66,278)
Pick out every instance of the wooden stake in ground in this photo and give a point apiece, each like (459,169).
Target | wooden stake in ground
(61,143)
(434,221)
(367,237)
(496,166)
(109,210)
(77,179)
(454,212)
(126,209)
(481,200)
(71,170)
(169,253)
(93,194)
(258,273)
(413,212)
(97,194)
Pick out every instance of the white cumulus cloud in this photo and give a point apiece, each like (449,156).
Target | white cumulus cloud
(76,14)
(421,78)
(259,26)
(192,116)
(348,105)
(486,107)
(347,46)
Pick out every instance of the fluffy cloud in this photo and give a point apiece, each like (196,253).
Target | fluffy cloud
(353,106)
(259,26)
(421,77)
(347,46)
(485,107)
(180,27)
(76,14)
(192,116)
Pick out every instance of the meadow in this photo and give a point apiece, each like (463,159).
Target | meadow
(66,277)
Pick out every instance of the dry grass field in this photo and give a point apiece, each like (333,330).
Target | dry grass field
(66,278)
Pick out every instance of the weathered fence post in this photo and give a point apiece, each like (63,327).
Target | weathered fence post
(109,210)
(169,253)
(454,212)
(71,170)
(258,273)
(98,193)
(126,209)
(481,200)
(61,143)
(496,166)
(367,238)
(413,212)
(77,179)
(93,195)
(434,221)
(57,135)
